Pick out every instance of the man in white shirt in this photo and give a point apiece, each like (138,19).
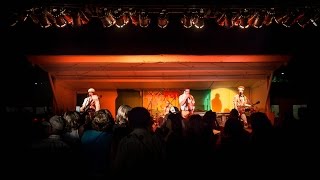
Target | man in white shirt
(187,103)
(241,103)
(91,102)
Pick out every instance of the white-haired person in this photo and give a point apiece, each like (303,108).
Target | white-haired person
(91,102)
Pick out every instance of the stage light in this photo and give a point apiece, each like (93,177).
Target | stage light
(225,19)
(120,17)
(67,16)
(228,20)
(83,18)
(220,19)
(134,17)
(163,19)
(17,18)
(76,20)
(279,17)
(199,19)
(244,19)
(315,19)
(106,18)
(252,19)
(187,19)
(289,20)
(144,19)
(236,19)
(268,18)
(58,14)
(243,22)
(44,19)
(40,16)
(304,19)
(258,22)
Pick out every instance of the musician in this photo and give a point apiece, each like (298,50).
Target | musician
(187,103)
(91,102)
(241,103)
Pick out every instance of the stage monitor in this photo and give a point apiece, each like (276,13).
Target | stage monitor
(78,108)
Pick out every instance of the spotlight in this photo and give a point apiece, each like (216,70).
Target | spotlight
(33,16)
(187,20)
(134,17)
(236,19)
(279,17)
(221,19)
(304,19)
(106,18)
(163,19)
(58,14)
(315,19)
(83,18)
(268,18)
(76,20)
(144,19)
(120,17)
(289,20)
(16,18)
(258,22)
(43,17)
(67,16)
(225,19)
(252,19)
(244,19)
(228,20)
(199,19)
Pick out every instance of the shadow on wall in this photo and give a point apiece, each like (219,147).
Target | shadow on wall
(216,103)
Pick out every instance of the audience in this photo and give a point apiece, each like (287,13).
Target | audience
(97,146)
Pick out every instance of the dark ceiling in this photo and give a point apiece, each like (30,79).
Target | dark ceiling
(29,38)
(93,39)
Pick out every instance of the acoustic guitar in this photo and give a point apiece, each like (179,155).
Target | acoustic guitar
(247,110)
(90,103)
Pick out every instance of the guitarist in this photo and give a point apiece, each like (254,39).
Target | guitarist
(241,103)
(91,102)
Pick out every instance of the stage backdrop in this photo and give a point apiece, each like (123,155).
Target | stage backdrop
(155,100)
(128,97)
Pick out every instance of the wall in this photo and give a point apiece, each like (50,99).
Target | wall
(155,100)
(128,97)
(260,93)
(202,98)
(222,98)
(64,97)
(108,100)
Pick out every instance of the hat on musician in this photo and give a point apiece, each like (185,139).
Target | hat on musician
(91,90)
(241,87)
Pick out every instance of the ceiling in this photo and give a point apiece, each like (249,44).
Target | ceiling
(104,72)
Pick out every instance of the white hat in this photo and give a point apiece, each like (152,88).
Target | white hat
(91,90)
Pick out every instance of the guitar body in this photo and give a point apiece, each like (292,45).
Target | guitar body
(247,110)
(90,106)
